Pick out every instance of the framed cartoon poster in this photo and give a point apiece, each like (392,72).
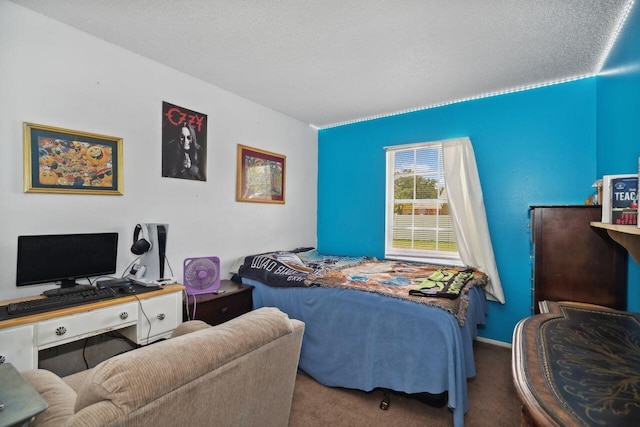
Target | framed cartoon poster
(60,160)
(261,176)
(184,143)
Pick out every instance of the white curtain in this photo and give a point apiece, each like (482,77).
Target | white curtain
(466,207)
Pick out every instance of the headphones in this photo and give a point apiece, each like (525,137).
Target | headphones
(142,245)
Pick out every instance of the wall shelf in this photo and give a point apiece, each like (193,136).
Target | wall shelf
(626,235)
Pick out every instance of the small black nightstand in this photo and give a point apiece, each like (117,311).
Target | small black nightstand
(219,308)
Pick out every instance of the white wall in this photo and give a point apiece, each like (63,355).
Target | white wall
(54,75)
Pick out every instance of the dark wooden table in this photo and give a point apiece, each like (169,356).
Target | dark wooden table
(578,364)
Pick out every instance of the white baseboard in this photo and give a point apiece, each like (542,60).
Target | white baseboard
(494,342)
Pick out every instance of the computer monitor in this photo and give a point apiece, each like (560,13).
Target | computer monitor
(64,258)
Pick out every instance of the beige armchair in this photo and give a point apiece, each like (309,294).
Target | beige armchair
(239,373)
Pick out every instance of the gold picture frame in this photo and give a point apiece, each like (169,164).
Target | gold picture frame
(67,161)
(261,176)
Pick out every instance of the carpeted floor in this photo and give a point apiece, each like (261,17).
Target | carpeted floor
(492,400)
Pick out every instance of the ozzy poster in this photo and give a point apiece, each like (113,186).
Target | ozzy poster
(184,143)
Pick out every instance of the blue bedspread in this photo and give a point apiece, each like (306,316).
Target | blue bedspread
(363,340)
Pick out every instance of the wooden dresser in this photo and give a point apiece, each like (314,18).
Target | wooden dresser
(578,364)
(573,261)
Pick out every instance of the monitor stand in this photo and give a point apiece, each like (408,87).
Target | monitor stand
(67,290)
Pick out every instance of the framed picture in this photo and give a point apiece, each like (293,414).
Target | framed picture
(261,176)
(67,161)
(184,143)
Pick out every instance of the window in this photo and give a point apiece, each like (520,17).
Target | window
(418,224)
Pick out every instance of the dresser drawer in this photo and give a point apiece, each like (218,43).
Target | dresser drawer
(76,326)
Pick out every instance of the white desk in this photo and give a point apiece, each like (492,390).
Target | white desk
(142,318)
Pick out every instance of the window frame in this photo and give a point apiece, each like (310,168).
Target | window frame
(410,254)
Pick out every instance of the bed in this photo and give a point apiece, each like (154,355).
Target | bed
(363,331)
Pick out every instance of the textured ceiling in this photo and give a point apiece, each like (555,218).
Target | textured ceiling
(327,62)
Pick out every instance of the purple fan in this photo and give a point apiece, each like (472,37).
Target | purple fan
(202,275)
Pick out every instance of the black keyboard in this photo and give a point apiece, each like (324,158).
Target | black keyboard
(60,301)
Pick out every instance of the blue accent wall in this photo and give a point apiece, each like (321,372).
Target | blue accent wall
(536,147)
(618,126)
(532,147)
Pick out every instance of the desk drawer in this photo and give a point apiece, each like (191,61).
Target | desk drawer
(158,317)
(16,347)
(76,326)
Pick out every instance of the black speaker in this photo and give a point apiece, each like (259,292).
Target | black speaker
(140,245)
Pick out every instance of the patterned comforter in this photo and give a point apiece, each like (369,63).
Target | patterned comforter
(395,279)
